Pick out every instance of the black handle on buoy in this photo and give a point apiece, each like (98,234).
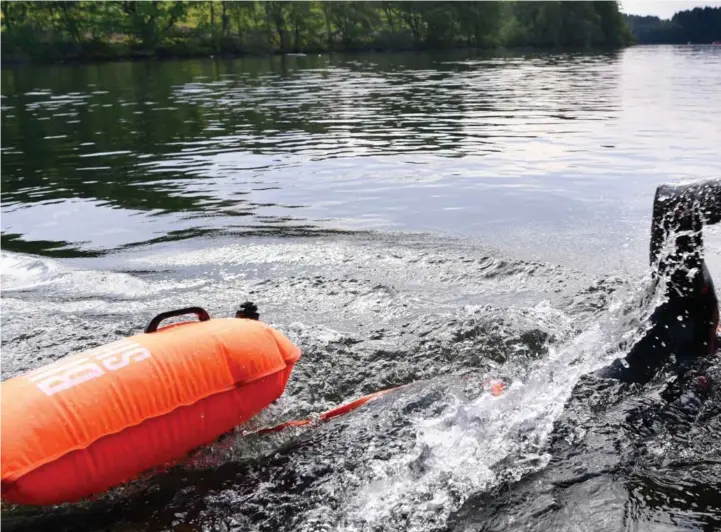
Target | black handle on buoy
(248,310)
(198,311)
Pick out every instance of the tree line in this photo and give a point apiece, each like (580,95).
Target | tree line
(96,30)
(698,25)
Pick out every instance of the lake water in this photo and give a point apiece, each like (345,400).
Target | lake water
(523,151)
(404,218)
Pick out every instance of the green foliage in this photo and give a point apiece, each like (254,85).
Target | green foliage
(149,22)
(101,30)
(565,24)
(698,25)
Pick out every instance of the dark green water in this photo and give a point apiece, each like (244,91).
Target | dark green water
(406,219)
(102,157)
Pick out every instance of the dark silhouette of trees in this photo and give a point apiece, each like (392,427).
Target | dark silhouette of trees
(698,25)
(100,30)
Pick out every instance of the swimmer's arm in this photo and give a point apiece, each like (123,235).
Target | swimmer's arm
(683,208)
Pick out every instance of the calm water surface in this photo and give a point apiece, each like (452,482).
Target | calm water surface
(555,148)
(406,219)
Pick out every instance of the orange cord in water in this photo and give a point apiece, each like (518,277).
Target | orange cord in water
(495,386)
(330,414)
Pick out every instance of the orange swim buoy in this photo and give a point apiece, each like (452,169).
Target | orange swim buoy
(93,420)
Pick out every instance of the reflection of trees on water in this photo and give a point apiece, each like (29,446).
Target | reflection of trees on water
(148,136)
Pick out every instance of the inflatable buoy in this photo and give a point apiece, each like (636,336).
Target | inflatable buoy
(93,420)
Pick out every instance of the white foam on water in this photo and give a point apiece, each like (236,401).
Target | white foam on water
(25,273)
(460,448)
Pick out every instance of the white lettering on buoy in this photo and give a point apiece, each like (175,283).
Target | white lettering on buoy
(95,363)
(69,378)
(115,361)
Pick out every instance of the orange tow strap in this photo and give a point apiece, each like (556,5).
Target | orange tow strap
(330,414)
(495,386)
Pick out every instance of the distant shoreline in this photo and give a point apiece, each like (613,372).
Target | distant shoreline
(146,56)
(74,32)
(97,32)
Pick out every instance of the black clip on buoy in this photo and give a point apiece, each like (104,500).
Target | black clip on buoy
(248,311)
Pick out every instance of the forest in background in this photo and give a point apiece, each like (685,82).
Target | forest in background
(92,30)
(698,25)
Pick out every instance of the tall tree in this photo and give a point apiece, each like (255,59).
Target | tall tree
(151,21)
(275,13)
